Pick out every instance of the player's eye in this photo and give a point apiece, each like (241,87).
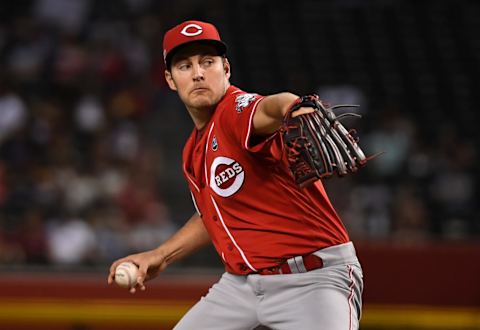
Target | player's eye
(183,66)
(208,62)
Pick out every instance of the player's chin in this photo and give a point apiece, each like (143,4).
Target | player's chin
(201,102)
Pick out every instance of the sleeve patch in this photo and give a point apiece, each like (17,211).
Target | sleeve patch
(243,101)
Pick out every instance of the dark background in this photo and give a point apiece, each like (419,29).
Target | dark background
(91,137)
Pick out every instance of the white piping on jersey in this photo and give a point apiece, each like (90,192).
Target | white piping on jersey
(206,149)
(195,204)
(189,178)
(231,237)
(196,187)
(350,296)
(250,122)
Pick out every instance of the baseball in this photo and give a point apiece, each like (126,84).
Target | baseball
(126,275)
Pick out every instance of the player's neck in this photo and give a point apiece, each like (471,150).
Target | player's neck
(200,117)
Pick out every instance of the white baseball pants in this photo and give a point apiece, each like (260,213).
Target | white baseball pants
(327,298)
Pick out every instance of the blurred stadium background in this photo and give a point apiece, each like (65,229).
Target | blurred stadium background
(91,138)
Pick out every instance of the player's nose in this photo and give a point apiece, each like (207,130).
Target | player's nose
(197,72)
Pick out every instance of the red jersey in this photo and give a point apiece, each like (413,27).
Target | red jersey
(256,215)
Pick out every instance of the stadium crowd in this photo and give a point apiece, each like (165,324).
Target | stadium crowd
(88,130)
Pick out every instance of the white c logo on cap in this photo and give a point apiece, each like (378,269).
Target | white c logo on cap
(198,30)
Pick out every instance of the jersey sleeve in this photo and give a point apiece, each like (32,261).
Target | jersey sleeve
(239,118)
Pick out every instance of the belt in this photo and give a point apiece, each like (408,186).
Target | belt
(300,264)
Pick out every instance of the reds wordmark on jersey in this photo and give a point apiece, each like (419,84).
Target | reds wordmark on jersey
(254,212)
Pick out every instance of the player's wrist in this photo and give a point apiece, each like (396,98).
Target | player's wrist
(163,257)
(288,99)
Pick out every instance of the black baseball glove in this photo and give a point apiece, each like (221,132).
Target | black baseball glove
(317,145)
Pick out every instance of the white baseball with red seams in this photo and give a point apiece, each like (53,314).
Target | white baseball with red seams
(126,275)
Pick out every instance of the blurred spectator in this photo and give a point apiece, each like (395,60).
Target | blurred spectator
(392,134)
(10,251)
(3,185)
(89,114)
(68,16)
(71,60)
(27,50)
(13,113)
(453,184)
(70,241)
(410,216)
(32,237)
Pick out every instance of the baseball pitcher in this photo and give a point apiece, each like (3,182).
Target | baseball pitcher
(254,166)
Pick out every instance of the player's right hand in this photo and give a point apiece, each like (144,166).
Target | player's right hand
(149,263)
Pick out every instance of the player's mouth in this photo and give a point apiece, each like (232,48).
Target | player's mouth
(199,90)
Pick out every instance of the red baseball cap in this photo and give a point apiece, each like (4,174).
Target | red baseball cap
(188,32)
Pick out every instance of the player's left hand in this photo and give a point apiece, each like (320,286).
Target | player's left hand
(317,144)
(302,111)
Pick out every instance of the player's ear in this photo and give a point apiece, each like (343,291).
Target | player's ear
(226,67)
(169,79)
